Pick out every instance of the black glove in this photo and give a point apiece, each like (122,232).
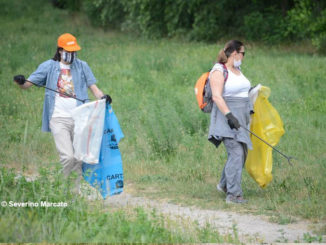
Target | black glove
(232,121)
(20,79)
(108,98)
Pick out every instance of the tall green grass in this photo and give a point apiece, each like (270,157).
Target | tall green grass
(81,221)
(165,151)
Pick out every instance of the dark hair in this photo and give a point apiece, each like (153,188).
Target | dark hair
(57,56)
(230,47)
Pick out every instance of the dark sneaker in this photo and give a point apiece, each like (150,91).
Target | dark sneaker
(220,189)
(237,200)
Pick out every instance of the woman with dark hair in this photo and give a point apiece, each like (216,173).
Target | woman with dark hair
(57,56)
(70,77)
(231,111)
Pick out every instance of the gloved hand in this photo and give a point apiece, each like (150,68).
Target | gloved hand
(232,121)
(108,98)
(20,79)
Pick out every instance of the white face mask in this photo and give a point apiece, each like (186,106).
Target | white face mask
(236,63)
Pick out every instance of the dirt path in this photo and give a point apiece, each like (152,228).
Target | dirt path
(250,228)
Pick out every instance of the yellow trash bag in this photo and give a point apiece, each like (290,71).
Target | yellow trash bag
(267,124)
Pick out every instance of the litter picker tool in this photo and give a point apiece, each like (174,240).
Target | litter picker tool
(287,157)
(65,94)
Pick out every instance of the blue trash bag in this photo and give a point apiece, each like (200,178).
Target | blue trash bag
(107,175)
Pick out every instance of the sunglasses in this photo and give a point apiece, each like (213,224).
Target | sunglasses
(243,53)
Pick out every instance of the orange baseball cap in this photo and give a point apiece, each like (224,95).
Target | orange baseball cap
(68,42)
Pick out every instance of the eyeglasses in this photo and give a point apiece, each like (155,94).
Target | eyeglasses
(243,53)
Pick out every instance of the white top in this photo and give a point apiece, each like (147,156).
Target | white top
(235,85)
(64,105)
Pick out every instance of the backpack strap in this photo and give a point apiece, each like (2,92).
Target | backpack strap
(225,72)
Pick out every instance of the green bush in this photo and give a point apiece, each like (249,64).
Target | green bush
(208,24)
(307,21)
(178,17)
(298,21)
(211,20)
(72,5)
(319,33)
(105,13)
(265,26)
(146,16)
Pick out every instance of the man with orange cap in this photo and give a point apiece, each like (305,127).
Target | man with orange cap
(70,78)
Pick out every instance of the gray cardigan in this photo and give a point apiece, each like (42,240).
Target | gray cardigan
(219,128)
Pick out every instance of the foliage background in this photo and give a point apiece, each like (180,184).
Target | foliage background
(211,20)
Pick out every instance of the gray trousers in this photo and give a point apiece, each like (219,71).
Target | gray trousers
(232,172)
(62,129)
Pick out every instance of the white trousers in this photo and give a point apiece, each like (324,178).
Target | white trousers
(62,129)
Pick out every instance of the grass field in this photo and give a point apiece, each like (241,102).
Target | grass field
(165,151)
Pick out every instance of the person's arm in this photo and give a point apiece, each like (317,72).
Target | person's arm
(90,82)
(38,77)
(99,94)
(96,91)
(26,85)
(217,85)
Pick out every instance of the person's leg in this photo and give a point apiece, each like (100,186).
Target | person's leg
(62,130)
(234,166)
(222,185)
(245,153)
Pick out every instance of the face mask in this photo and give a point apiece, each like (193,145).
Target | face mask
(68,56)
(236,63)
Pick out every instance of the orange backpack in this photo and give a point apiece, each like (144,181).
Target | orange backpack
(203,90)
